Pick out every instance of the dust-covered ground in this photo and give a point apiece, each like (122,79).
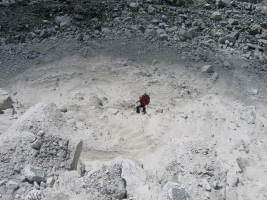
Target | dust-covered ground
(208,124)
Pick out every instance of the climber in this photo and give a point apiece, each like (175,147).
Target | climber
(144,100)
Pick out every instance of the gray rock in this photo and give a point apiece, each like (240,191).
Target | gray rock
(78,9)
(162,34)
(207,6)
(78,17)
(63,108)
(5,100)
(193,31)
(185,34)
(199,24)
(207,69)
(42,124)
(216,16)
(36,145)
(134,7)
(103,183)
(227,64)
(163,37)
(151,10)
(105,30)
(43,34)
(150,33)
(11,186)
(63,21)
(179,194)
(50,182)
(34,195)
(254,30)
(206,185)
(32,35)
(65,25)
(254,46)
(233,21)
(135,178)
(214,76)
(81,168)
(33,173)
(228,39)
(221,3)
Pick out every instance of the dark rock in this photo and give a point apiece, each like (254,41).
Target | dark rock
(254,30)
(179,194)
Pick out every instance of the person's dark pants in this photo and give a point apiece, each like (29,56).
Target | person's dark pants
(139,107)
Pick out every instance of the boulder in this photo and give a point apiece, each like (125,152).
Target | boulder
(105,182)
(33,173)
(12,186)
(185,34)
(135,178)
(151,10)
(216,16)
(233,22)
(254,30)
(150,33)
(134,7)
(208,69)
(63,21)
(5,100)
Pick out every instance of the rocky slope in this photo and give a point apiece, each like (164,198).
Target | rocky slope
(203,64)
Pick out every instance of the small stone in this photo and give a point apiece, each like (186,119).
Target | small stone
(63,109)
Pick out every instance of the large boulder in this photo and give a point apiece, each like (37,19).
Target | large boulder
(103,183)
(135,178)
(5,100)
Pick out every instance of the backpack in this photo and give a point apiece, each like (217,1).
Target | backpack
(146,98)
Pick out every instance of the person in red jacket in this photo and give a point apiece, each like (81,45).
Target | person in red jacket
(142,105)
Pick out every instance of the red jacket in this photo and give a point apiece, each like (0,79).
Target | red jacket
(142,102)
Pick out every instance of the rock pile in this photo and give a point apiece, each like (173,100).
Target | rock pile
(33,150)
(236,27)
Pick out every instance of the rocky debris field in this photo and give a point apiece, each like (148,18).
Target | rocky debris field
(71,72)
(199,30)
